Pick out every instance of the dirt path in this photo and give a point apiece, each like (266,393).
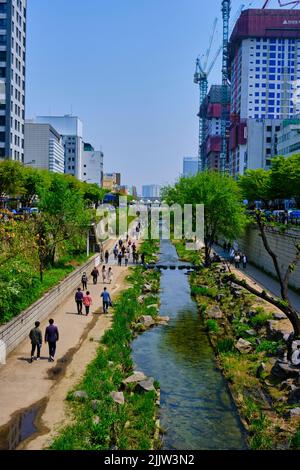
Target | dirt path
(23,385)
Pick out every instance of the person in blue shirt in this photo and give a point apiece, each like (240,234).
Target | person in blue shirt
(106,300)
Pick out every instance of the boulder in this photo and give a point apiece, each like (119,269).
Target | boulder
(214,312)
(95,404)
(243,346)
(279,316)
(277,329)
(146,385)
(147,321)
(146,288)
(294,396)
(283,370)
(118,397)
(80,395)
(295,412)
(134,378)
(288,385)
(141,299)
(295,345)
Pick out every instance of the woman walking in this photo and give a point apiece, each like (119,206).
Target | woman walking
(109,275)
(87,302)
(103,274)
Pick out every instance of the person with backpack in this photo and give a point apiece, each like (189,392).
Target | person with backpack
(95,275)
(106,300)
(79,300)
(84,281)
(51,337)
(36,339)
(87,302)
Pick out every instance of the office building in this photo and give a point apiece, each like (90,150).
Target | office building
(211,112)
(112,181)
(151,191)
(71,130)
(43,147)
(92,162)
(190,166)
(289,137)
(12,78)
(264,70)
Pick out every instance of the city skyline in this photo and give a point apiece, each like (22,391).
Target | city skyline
(144,119)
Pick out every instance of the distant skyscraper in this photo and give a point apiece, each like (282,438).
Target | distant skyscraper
(265,69)
(71,130)
(150,191)
(190,166)
(12,78)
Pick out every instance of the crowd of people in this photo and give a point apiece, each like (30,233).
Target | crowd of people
(236,257)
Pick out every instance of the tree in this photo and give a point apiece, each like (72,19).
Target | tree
(285,177)
(92,193)
(11,178)
(33,182)
(224,211)
(256,185)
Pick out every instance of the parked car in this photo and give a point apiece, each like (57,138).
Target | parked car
(294,215)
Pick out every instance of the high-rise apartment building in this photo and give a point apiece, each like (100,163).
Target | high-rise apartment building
(12,78)
(43,147)
(190,166)
(265,82)
(71,130)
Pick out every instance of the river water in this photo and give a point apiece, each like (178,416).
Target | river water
(197,412)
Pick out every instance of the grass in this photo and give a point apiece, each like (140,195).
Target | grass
(130,426)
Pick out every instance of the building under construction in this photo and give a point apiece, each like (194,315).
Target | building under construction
(211,114)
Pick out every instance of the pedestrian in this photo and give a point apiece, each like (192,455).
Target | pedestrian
(126,257)
(120,243)
(143,258)
(231,255)
(116,251)
(84,281)
(103,274)
(87,302)
(95,275)
(137,232)
(109,275)
(133,248)
(245,261)
(106,300)
(35,336)
(51,337)
(120,256)
(237,260)
(123,249)
(137,255)
(106,256)
(79,300)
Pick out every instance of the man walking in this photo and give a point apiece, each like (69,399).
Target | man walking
(120,256)
(84,281)
(95,275)
(106,256)
(106,300)
(51,337)
(35,336)
(79,300)
(245,261)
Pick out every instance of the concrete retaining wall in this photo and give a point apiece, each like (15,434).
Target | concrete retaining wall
(18,329)
(282,244)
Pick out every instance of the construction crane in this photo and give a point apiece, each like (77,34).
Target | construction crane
(201,78)
(226,9)
(295,3)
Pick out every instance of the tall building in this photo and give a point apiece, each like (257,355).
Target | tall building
(190,166)
(289,137)
(265,70)
(71,130)
(151,191)
(112,181)
(211,113)
(92,162)
(43,147)
(12,78)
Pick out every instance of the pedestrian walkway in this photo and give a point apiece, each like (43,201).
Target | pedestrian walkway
(262,279)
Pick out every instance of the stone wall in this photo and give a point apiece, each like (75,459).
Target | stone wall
(18,329)
(282,244)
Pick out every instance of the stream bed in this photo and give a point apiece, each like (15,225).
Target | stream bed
(197,411)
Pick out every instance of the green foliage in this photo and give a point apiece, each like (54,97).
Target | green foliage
(212,326)
(260,319)
(270,347)
(295,441)
(225,345)
(256,185)
(211,292)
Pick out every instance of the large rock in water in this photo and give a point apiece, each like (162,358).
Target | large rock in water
(147,321)
(118,397)
(243,346)
(283,370)
(214,312)
(134,378)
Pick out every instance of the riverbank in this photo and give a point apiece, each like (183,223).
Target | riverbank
(111,407)
(249,339)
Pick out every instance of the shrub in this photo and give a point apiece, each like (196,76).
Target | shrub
(270,347)
(260,319)
(225,345)
(212,326)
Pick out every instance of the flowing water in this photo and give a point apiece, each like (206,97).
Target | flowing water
(197,411)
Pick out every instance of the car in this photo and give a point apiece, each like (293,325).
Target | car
(294,214)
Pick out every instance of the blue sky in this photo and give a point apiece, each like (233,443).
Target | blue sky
(125,67)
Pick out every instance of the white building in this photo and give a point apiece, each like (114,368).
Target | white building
(92,162)
(71,130)
(12,78)
(43,147)
(150,191)
(265,70)
(289,137)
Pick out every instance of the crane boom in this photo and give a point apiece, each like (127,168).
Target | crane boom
(210,43)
